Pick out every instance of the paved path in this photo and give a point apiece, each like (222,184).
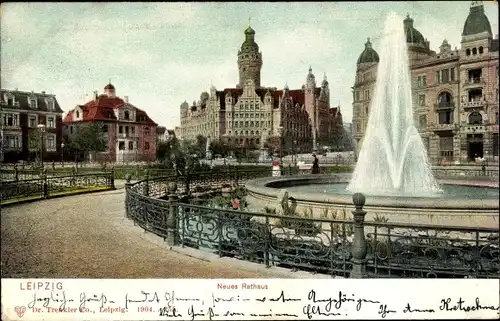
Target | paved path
(87,236)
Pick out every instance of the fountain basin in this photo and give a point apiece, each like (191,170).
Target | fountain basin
(450,210)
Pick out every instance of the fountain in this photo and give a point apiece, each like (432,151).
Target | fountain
(392,167)
(393,159)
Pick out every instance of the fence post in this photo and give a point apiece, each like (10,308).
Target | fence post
(187,178)
(290,169)
(16,173)
(127,185)
(146,186)
(73,174)
(45,185)
(359,243)
(171,215)
(113,177)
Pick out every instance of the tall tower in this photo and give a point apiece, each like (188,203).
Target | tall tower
(249,59)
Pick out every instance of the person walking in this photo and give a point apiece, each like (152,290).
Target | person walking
(315,167)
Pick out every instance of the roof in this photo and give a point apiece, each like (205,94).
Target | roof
(413,36)
(102,109)
(369,54)
(160,130)
(22,97)
(297,95)
(476,21)
(109,86)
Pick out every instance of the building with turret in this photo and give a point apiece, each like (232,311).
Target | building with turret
(455,91)
(250,114)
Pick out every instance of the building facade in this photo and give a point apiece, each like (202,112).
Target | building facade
(31,126)
(455,91)
(130,134)
(250,115)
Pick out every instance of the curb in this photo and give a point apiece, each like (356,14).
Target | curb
(54,196)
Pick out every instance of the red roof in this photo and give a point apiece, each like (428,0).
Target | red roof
(297,95)
(102,108)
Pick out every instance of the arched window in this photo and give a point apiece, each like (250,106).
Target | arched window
(467,52)
(481,50)
(474,51)
(475,118)
(445,99)
(235,132)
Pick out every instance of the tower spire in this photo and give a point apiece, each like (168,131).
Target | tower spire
(249,21)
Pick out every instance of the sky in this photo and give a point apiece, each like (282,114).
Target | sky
(161,54)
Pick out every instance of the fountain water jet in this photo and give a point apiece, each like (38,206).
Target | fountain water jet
(393,159)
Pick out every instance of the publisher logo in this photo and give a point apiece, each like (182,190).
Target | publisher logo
(20,311)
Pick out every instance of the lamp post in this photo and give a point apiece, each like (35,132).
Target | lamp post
(280,132)
(62,154)
(41,129)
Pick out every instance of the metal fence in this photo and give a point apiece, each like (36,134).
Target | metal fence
(348,248)
(46,186)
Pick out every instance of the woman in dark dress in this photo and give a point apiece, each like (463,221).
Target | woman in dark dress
(315,167)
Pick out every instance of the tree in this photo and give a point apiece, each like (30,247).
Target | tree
(89,139)
(219,147)
(201,146)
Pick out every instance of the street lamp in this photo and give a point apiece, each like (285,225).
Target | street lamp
(41,129)
(280,132)
(62,154)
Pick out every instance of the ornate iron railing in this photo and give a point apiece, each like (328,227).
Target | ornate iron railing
(47,186)
(349,248)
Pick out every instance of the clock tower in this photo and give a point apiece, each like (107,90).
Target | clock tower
(249,60)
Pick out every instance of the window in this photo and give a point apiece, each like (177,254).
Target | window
(130,145)
(132,130)
(445,99)
(495,144)
(51,143)
(11,120)
(126,130)
(445,117)
(422,81)
(496,119)
(50,122)
(146,131)
(12,141)
(422,121)
(77,114)
(421,100)
(120,129)
(104,128)
(33,102)
(121,145)
(474,51)
(32,122)
(452,74)
(467,52)
(126,115)
(367,94)
(445,76)
(475,118)
(146,146)
(50,104)
(356,95)
(438,77)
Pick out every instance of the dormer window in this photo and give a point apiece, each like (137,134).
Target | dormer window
(33,102)
(50,104)
(10,99)
(126,115)
(77,114)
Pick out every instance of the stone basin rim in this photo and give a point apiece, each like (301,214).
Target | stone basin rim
(259,187)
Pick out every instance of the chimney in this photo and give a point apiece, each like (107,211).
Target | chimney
(95,94)
(43,92)
(125,98)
